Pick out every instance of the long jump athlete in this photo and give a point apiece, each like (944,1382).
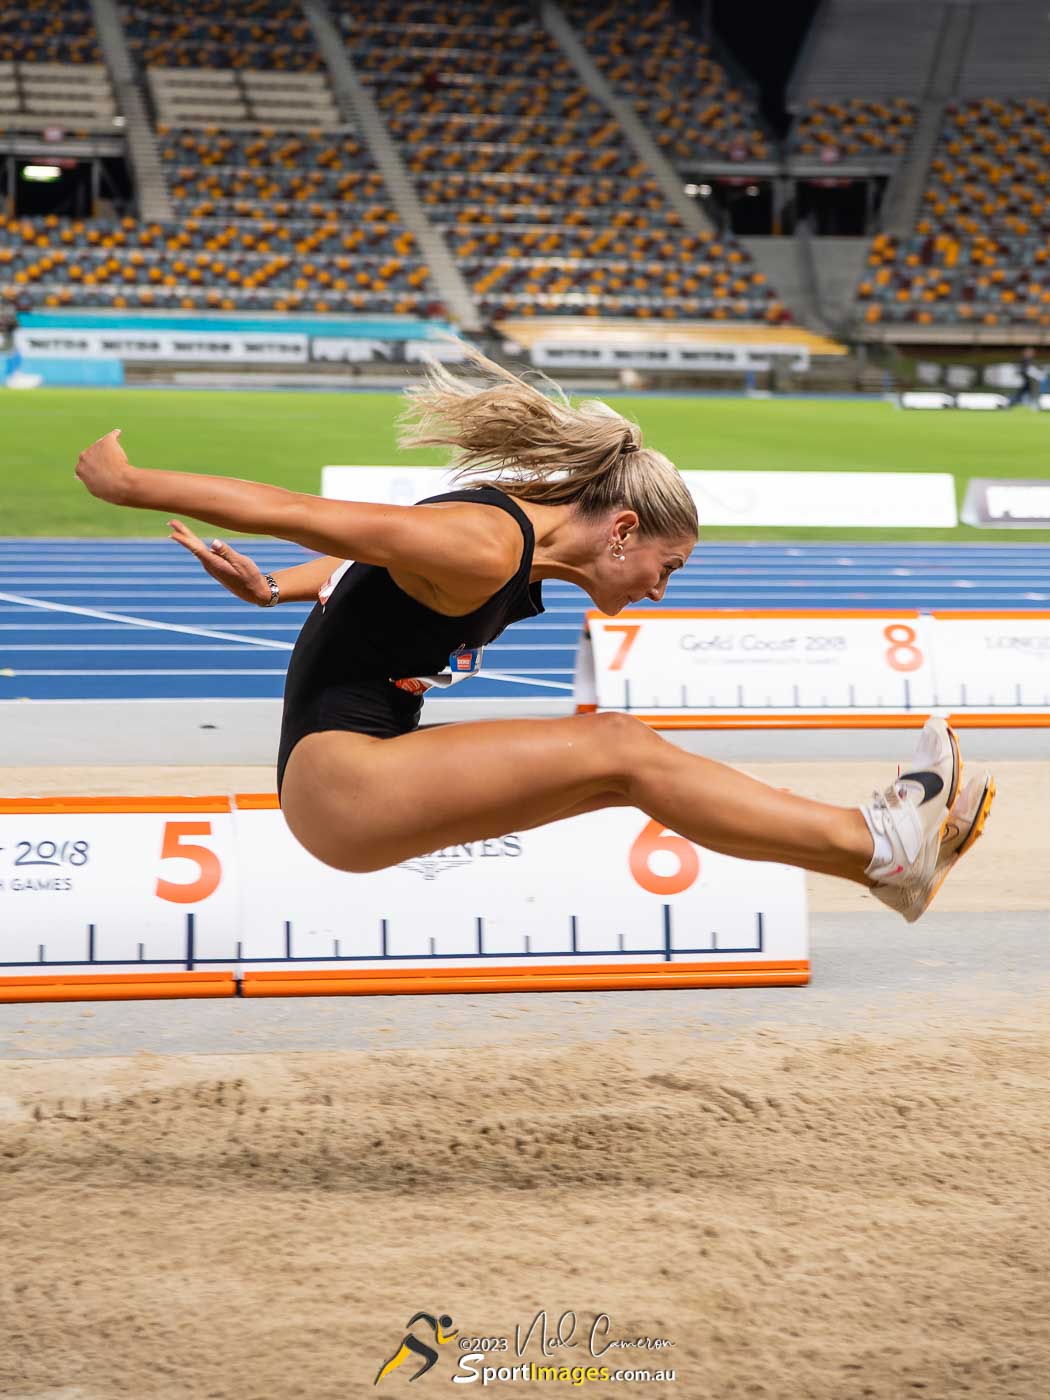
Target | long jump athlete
(549,491)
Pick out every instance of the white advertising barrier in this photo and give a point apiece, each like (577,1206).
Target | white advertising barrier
(216,347)
(211,896)
(974,401)
(387,486)
(993,660)
(834,500)
(831,500)
(348,350)
(666,662)
(552,353)
(1011,504)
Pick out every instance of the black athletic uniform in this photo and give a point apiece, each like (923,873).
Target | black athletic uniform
(368,635)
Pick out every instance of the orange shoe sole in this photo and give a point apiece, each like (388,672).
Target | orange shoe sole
(987,798)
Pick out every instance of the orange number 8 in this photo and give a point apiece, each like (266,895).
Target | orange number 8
(903,654)
(654,836)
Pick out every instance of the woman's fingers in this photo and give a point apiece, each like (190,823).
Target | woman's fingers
(185,535)
(235,571)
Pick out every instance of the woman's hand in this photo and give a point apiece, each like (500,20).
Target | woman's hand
(234,571)
(106,471)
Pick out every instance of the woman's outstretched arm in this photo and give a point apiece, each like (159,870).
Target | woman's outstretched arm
(464,550)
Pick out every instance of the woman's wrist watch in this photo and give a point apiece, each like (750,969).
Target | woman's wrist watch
(275,592)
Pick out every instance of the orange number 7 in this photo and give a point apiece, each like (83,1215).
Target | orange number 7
(207,882)
(630,631)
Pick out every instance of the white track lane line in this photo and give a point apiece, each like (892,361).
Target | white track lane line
(220,636)
(143,622)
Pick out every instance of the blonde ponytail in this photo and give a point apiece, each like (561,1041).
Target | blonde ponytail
(541,448)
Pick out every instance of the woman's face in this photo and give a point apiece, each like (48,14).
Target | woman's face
(647,564)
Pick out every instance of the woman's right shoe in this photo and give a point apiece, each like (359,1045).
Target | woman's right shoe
(910,816)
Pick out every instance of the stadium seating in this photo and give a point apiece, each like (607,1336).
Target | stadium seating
(274,266)
(39,31)
(277,205)
(853,126)
(979,251)
(266,218)
(685,96)
(544,204)
(256,34)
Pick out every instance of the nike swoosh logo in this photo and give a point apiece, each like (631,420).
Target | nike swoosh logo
(932,784)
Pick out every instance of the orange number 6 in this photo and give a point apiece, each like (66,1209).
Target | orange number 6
(207,882)
(654,836)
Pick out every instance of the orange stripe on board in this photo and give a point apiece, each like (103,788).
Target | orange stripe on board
(964,720)
(776,614)
(554,969)
(988,615)
(783,614)
(115,986)
(52,806)
(256,802)
(605,977)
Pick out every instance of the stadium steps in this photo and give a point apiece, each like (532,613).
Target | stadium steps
(837,267)
(633,127)
(153,198)
(868,48)
(904,196)
(955,40)
(1007,51)
(783,262)
(357,104)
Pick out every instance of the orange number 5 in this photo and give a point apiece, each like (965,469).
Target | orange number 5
(654,836)
(630,631)
(207,882)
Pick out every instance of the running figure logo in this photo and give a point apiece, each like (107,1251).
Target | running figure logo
(413,1346)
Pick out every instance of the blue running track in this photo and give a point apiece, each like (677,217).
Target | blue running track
(138,619)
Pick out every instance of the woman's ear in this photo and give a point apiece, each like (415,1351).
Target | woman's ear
(625,523)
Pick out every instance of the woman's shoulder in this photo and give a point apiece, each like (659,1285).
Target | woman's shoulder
(488,514)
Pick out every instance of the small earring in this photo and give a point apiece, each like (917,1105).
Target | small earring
(616,550)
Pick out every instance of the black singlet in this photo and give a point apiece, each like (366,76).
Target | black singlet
(369,633)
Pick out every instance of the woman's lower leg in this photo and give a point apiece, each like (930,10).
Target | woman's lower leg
(728,811)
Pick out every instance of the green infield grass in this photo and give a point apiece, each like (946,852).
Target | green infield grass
(285,438)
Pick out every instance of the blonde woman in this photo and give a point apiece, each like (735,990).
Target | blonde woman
(574,496)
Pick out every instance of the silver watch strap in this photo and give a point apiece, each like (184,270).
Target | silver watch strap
(275,592)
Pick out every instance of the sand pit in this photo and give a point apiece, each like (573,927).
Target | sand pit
(809,1213)
(823,1217)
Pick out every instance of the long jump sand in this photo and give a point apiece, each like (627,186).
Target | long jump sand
(839,1208)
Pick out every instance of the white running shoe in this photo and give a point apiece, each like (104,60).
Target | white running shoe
(965,823)
(911,815)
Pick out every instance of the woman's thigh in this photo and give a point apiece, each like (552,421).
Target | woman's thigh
(358,803)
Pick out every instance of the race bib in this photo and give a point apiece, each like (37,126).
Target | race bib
(464,662)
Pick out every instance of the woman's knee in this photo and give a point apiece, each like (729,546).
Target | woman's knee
(622,743)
